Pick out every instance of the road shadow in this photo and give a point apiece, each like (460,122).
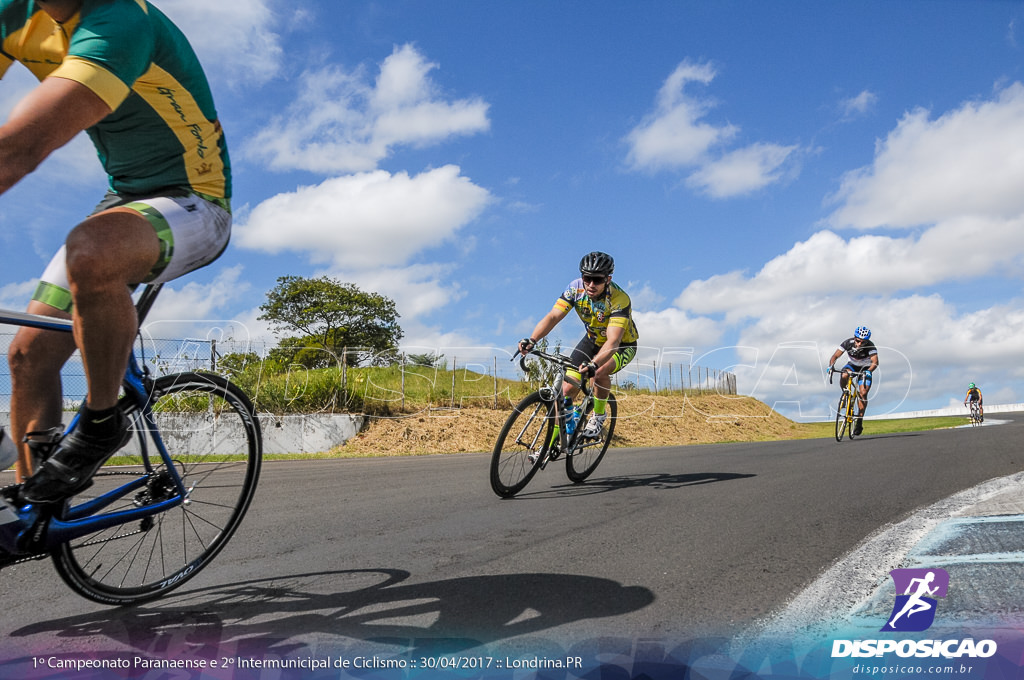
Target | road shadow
(281,616)
(661,480)
(887,435)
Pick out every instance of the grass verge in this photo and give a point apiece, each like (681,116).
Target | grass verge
(827,429)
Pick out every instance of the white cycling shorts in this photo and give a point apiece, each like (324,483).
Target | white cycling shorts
(193,232)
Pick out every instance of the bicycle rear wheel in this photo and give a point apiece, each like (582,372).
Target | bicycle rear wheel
(841,409)
(211,433)
(587,453)
(527,431)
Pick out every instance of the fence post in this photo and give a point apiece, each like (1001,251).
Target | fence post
(344,375)
(495,383)
(401,368)
(455,363)
(213,355)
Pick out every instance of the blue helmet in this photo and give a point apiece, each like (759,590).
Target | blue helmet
(862,332)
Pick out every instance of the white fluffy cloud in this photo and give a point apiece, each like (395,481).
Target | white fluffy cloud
(235,40)
(341,122)
(957,179)
(368,220)
(967,162)
(741,171)
(858,105)
(675,136)
(367,226)
(882,264)
(187,299)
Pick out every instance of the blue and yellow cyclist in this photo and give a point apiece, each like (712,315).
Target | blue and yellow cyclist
(611,335)
(125,74)
(974,394)
(863,357)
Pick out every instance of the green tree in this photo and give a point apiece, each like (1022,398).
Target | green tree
(541,371)
(235,363)
(330,317)
(428,360)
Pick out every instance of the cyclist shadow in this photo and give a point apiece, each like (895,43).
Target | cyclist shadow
(277,616)
(662,480)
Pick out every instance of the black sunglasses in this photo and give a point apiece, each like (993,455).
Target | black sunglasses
(594,279)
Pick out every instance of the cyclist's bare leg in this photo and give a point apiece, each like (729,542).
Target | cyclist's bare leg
(35,358)
(603,380)
(862,401)
(105,255)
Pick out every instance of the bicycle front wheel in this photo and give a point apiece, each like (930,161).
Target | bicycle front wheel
(587,453)
(841,409)
(522,445)
(214,442)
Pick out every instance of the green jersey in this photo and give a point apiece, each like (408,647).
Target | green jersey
(163,131)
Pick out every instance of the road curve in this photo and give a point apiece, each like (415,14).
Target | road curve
(416,555)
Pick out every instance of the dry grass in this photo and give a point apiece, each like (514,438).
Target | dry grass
(643,420)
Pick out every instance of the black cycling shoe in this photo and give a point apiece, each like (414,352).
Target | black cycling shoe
(72,465)
(858,427)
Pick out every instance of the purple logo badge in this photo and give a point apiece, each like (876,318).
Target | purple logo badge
(916,590)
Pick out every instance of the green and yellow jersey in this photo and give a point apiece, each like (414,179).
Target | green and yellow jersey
(163,131)
(613,308)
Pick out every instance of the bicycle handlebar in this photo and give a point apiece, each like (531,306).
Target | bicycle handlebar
(560,359)
(853,374)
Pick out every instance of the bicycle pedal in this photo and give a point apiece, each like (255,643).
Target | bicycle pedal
(42,443)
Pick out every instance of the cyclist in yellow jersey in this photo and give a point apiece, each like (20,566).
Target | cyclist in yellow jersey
(125,74)
(974,394)
(610,342)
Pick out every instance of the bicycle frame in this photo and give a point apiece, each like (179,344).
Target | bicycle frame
(528,440)
(846,409)
(68,522)
(553,392)
(975,408)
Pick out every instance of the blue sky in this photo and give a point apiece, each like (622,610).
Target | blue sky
(768,176)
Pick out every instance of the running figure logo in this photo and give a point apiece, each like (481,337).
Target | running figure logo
(914,610)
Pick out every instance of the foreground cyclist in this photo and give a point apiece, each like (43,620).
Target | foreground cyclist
(863,356)
(120,70)
(611,335)
(974,394)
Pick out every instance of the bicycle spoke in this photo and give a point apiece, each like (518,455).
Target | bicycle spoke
(511,465)
(198,416)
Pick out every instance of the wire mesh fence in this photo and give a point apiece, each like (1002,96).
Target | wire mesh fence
(451,378)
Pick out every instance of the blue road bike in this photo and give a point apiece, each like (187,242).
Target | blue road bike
(164,505)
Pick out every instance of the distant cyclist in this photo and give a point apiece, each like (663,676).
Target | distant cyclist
(974,395)
(610,342)
(863,356)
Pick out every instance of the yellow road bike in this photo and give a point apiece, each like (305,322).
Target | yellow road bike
(846,410)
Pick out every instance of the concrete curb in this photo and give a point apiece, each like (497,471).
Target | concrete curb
(959,410)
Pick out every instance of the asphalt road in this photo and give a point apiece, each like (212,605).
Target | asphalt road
(415,555)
